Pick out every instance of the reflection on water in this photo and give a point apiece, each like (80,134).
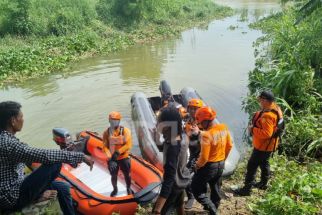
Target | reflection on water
(214,59)
(142,64)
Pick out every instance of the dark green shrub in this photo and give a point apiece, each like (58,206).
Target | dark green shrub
(14,17)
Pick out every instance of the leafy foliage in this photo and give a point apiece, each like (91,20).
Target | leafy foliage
(295,189)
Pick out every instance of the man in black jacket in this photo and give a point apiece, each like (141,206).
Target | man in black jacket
(176,176)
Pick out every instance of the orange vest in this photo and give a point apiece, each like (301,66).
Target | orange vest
(119,141)
(216,144)
(264,125)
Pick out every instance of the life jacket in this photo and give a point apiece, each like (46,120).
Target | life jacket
(116,142)
(279,127)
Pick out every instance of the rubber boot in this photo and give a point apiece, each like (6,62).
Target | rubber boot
(243,191)
(128,183)
(211,209)
(114,183)
(217,204)
(261,185)
(114,192)
(207,204)
(129,191)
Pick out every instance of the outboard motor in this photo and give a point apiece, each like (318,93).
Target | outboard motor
(165,90)
(65,141)
(62,137)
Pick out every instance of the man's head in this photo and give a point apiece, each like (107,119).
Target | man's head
(114,118)
(170,123)
(193,106)
(266,98)
(205,117)
(11,117)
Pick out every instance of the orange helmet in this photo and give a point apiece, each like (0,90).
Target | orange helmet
(115,115)
(195,103)
(205,113)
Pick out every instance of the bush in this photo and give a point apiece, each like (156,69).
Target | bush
(61,17)
(295,190)
(45,17)
(303,136)
(14,17)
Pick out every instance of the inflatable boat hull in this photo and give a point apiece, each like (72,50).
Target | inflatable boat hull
(91,190)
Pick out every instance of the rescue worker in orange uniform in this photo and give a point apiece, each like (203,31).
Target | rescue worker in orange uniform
(117,145)
(216,143)
(192,130)
(265,141)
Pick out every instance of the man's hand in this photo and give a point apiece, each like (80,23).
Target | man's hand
(195,130)
(115,155)
(158,205)
(194,167)
(89,161)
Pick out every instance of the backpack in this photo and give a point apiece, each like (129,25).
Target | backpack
(279,129)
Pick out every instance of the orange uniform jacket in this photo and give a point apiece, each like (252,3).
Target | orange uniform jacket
(216,144)
(121,143)
(264,128)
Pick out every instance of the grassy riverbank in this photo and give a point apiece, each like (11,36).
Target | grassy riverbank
(289,62)
(41,37)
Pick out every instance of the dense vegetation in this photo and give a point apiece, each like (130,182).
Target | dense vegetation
(295,190)
(41,36)
(289,62)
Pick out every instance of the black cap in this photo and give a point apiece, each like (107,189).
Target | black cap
(268,95)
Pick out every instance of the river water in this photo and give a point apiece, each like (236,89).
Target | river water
(215,60)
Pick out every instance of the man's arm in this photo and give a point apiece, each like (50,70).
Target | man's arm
(205,145)
(105,144)
(229,144)
(21,152)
